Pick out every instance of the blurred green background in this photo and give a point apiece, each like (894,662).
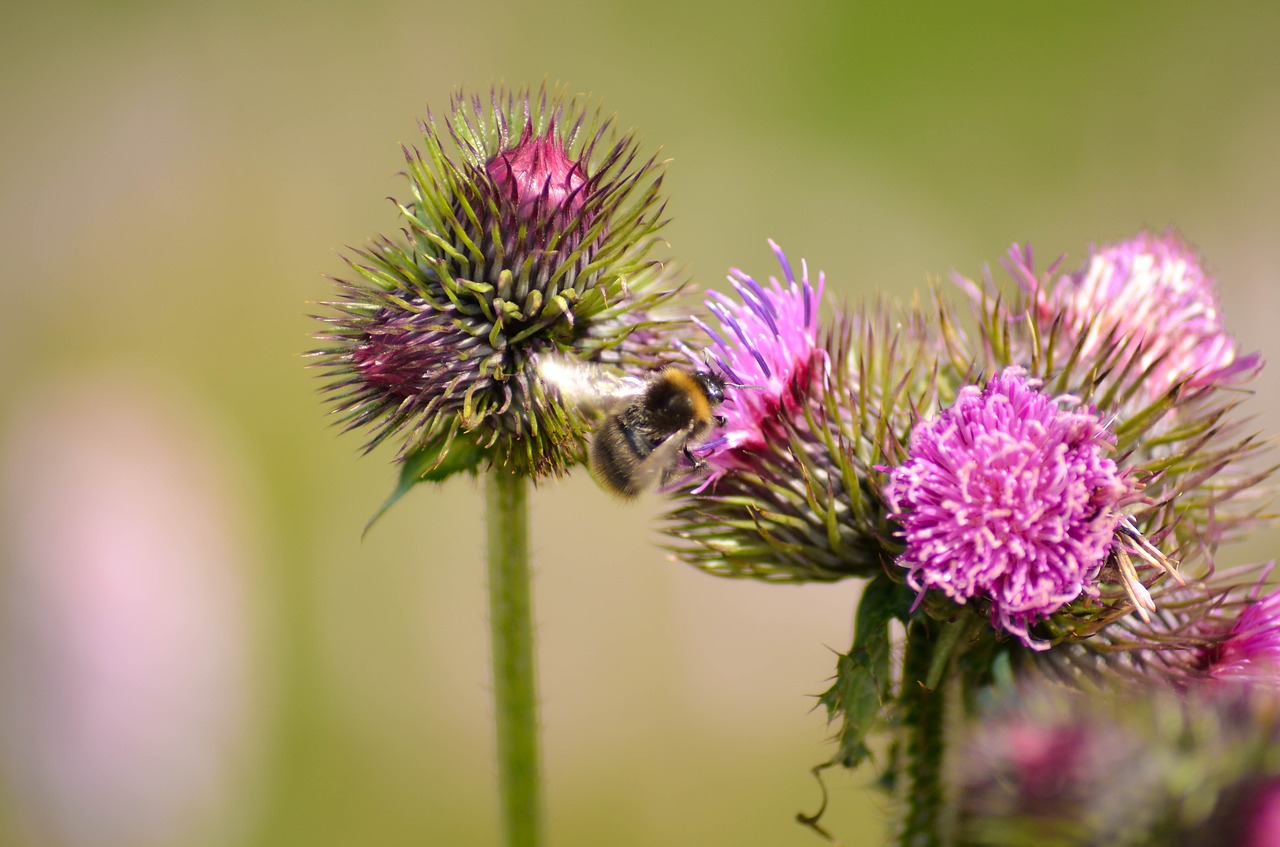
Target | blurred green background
(195,645)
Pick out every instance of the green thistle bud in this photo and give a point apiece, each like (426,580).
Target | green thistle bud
(532,233)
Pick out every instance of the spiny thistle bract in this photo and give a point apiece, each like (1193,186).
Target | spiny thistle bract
(532,235)
(1224,628)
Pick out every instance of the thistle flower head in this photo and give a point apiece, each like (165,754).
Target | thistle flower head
(1173,427)
(1149,298)
(1045,763)
(767,343)
(1009,495)
(1250,650)
(1035,762)
(528,230)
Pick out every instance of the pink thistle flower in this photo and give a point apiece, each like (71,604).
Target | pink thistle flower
(1136,332)
(1152,296)
(1043,761)
(1250,653)
(1262,816)
(1009,496)
(1044,767)
(1126,766)
(784,499)
(768,341)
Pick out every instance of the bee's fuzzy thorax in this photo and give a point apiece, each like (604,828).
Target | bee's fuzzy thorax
(682,383)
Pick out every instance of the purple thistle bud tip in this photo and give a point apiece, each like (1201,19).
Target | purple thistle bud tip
(1250,653)
(1009,496)
(767,343)
(403,359)
(539,178)
(1150,292)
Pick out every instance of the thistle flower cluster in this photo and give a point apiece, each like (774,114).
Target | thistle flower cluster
(529,229)
(1039,487)
(1053,497)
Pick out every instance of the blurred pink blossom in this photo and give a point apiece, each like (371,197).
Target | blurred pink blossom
(124,619)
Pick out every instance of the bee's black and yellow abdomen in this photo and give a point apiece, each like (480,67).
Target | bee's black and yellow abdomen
(618,449)
(615,459)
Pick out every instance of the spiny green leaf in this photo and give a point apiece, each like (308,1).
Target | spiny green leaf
(862,675)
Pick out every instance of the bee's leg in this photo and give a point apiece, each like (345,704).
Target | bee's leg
(721,420)
(697,463)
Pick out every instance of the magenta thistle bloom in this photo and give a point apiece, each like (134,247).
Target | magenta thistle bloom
(1039,763)
(1262,816)
(789,495)
(1044,764)
(1009,496)
(1151,296)
(1136,334)
(1250,652)
(768,340)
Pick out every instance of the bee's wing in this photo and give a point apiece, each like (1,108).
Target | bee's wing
(588,385)
(661,466)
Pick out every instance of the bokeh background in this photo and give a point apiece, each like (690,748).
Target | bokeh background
(196,648)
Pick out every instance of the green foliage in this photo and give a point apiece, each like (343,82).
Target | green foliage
(434,463)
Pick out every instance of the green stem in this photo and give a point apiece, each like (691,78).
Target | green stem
(514,688)
(924,712)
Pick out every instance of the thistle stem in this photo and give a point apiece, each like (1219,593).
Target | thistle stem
(924,712)
(514,686)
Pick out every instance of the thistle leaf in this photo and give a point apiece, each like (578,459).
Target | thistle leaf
(862,681)
(435,462)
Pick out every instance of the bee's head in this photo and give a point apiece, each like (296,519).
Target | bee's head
(712,385)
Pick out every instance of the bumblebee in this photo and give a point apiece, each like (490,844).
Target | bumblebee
(649,424)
